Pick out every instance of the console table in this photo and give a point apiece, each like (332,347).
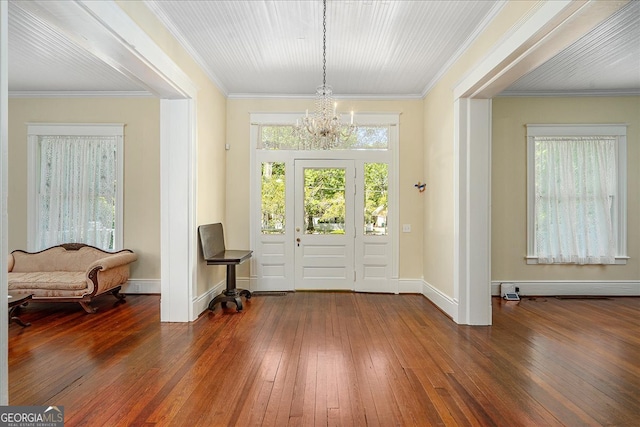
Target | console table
(215,253)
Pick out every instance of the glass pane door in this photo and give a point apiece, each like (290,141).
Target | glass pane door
(324,231)
(324,200)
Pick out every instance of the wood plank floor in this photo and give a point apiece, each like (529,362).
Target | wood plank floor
(320,359)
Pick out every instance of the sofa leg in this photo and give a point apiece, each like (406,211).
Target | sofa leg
(87,307)
(121,297)
(116,293)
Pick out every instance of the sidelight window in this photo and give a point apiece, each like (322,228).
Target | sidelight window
(376,193)
(273,197)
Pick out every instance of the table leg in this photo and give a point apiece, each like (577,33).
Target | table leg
(16,319)
(231,294)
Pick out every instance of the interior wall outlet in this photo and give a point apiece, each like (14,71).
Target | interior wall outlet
(406,228)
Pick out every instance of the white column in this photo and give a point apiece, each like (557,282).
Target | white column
(472,246)
(177,207)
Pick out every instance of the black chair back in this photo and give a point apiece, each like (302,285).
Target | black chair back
(211,239)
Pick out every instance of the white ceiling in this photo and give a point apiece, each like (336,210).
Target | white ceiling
(605,60)
(275,47)
(375,48)
(43,59)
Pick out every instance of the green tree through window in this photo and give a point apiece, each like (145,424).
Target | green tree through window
(324,200)
(273,198)
(376,193)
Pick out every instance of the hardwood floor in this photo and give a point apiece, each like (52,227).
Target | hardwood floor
(332,359)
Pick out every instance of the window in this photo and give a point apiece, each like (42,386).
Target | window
(576,194)
(273,197)
(324,200)
(75,184)
(376,192)
(277,137)
(282,137)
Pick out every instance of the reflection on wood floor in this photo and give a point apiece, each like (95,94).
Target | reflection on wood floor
(332,359)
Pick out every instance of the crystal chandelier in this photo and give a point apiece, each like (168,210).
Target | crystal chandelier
(323,130)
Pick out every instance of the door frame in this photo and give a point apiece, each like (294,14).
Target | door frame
(390,156)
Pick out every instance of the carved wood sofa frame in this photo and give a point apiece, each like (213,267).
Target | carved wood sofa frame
(106,272)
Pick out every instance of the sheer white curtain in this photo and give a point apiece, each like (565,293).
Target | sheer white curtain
(575,188)
(77,192)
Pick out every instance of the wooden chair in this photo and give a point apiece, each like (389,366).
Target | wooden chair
(215,253)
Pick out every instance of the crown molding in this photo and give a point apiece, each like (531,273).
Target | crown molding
(567,93)
(464,46)
(79,94)
(311,97)
(193,53)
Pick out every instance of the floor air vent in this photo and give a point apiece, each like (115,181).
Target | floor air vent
(268,293)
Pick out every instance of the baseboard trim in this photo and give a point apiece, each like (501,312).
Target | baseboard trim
(445,303)
(152,286)
(201,302)
(142,286)
(410,286)
(243,283)
(571,287)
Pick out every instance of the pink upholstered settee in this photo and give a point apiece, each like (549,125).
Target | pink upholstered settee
(71,272)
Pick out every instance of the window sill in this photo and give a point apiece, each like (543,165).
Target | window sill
(532,260)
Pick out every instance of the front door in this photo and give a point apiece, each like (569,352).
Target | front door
(324,224)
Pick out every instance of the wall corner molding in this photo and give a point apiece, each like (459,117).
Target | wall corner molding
(445,303)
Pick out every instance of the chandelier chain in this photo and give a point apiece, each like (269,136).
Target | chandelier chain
(324,44)
(323,130)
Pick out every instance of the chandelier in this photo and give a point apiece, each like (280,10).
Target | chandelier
(323,130)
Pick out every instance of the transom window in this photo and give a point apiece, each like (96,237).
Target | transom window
(282,137)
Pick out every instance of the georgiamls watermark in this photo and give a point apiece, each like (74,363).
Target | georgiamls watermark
(31,416)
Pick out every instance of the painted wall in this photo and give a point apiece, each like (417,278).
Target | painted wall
(439,154)
(211,179)
(509,183)
(410,169)
(141,166)
(211,131)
